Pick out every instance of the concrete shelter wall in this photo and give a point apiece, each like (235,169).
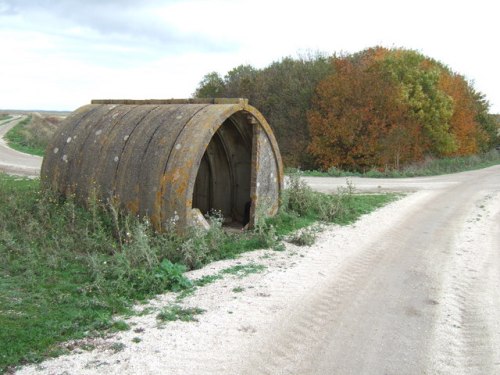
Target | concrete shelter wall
(146,156)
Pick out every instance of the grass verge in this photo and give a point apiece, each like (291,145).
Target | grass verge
(176,312)
(16,139)
(32,134)
(4,117)
(430,167)
(65,271)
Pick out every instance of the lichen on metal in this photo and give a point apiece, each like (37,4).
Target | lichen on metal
(169,160)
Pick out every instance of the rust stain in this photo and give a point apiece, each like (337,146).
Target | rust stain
(182,188)
(164,181)
(156,221)
(133,206)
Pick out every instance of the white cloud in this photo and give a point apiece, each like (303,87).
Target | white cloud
(63,53)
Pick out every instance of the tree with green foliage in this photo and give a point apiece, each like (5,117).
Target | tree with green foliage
(489,123)
(418,79)
(240,82)
(211,86)
(284,91)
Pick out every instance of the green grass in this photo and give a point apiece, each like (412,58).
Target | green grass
(208,279)
(239,271)
(5,117)
(119,325)
(176,312)
(16,139)
(65,272)
(242,270)
(431,167)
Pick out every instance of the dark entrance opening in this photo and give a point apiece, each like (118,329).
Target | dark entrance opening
(224,176)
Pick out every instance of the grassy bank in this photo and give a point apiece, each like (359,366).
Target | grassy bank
(4,117)
(32,134)
(430,167)
(65,271)
(16,139)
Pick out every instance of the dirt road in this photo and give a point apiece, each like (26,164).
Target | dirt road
(420,297)
(15,162)
(409,289)
(376,185)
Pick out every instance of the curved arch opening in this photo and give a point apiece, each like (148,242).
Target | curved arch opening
(223,182)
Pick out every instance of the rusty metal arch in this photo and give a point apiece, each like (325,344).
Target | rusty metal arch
(146,155)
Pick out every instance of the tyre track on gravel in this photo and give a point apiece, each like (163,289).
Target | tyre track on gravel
(424,239)
(323,308)
(468,330)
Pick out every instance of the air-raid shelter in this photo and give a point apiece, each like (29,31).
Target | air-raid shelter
(167,159)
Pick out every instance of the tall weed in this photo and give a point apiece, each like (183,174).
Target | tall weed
(301,200)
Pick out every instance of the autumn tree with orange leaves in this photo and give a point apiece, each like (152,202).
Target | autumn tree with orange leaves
(358,121)
(385,108)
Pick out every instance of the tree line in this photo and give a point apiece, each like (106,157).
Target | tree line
(378,108)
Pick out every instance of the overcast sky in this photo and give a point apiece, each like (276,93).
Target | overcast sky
(60,54)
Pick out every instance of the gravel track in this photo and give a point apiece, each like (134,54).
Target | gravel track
(15,162)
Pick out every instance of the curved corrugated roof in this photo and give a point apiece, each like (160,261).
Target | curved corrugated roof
(145,155)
